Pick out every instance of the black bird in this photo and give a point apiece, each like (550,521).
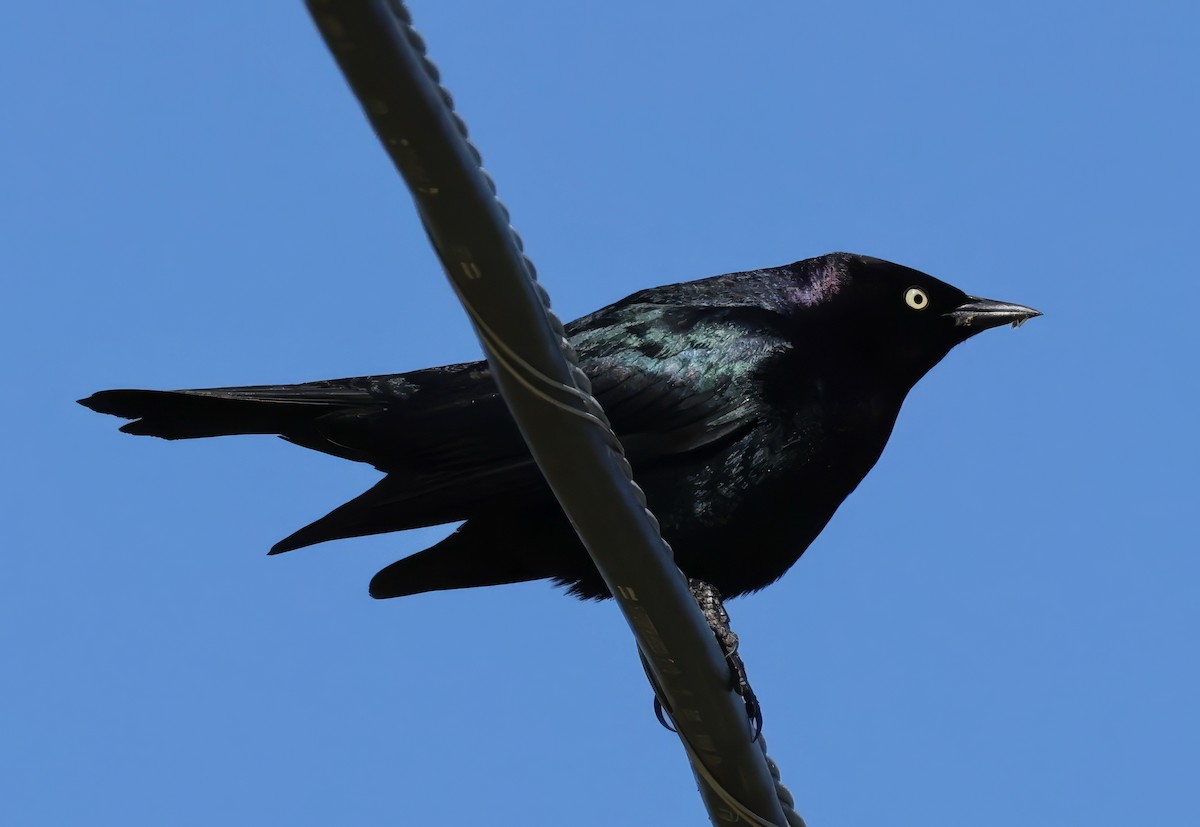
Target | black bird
(749,404)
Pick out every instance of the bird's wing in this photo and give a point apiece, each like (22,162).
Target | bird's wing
(673,380)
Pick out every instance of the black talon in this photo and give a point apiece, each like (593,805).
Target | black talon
(661,713)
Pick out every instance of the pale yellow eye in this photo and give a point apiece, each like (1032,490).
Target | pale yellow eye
(916,298)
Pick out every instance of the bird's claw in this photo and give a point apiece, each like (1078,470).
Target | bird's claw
(661,713)
(714,612)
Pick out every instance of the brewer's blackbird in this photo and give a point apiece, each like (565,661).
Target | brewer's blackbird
(749,404)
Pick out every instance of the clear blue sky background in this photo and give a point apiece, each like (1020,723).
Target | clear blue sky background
(999,625)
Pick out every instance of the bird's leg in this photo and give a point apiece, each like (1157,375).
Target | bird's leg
(718,620)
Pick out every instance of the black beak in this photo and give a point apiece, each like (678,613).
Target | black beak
(980,314)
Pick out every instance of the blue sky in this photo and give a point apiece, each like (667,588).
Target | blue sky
(1000,621)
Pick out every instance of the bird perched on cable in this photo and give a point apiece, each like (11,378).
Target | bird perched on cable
(750,405)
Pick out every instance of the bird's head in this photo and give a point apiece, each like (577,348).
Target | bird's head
(888,318)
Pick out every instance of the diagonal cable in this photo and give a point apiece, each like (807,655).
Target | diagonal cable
(383,60)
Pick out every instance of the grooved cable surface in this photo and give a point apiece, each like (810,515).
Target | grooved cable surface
(384,61)
(786,802)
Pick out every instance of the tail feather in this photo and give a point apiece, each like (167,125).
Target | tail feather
(442,436)
(399,502)
(392,504)
(472,556)
(192,414)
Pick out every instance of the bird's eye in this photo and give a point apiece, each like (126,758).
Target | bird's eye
(916,298)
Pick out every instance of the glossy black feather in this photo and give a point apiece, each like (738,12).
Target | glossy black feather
(750,405)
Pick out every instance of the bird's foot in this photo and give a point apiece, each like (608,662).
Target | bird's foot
(714,612)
